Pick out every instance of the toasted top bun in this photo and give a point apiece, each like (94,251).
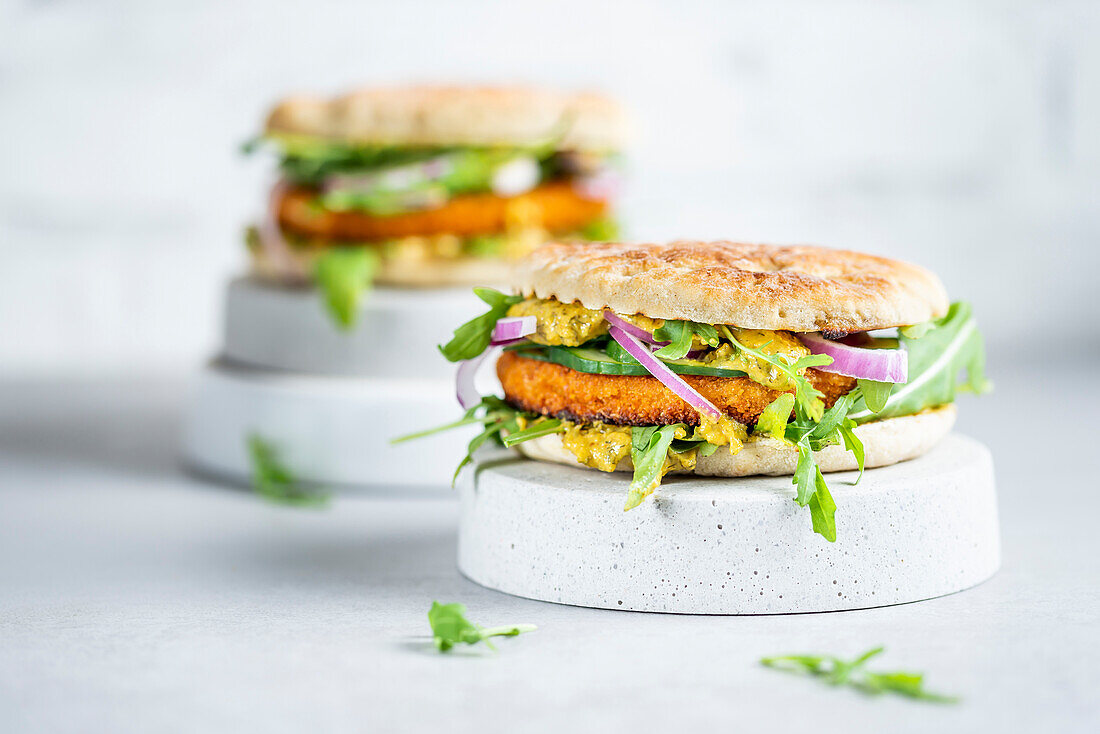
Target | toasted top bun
(791,288)
(455,115)
(885,442)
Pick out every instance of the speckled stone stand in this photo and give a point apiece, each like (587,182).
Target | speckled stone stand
(907,532)
(396,334)
(333,431)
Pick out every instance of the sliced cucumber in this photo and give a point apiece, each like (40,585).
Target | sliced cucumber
(595,362)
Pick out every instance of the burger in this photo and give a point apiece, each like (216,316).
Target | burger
(431,186)
(719,359)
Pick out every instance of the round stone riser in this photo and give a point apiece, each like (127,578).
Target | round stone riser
(330,431)
(396,334)
(912,531)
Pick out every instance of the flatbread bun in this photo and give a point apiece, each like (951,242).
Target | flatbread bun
(455,115)
(789,288)
(885,442)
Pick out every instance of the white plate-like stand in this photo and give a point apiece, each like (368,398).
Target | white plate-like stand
(396,334)
(331,400)
(912,531)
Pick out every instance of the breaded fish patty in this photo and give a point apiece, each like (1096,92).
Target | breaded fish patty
(552,389)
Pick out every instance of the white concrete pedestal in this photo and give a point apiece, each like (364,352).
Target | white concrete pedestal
(395,335)
(331,400)
(912,531)
(331,431)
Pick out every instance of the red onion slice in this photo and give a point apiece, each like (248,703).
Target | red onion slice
(881,365)
(635,331)
(466,378)
(506,332)
(660,370)
(514,328)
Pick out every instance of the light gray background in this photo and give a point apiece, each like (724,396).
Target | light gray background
(962,135)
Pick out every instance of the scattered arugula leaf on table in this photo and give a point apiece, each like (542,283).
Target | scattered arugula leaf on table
(450,627)
(837,672)
(274,481)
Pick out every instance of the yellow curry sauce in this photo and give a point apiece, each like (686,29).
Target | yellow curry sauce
(597,445)
(561,324)
(783,344)
(602,446)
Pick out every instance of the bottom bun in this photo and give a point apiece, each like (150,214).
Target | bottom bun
(885,442)
(295,267)
(434,273)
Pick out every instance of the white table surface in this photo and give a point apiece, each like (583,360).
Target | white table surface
(134,598)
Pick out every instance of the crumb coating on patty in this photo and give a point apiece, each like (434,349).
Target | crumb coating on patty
(555,390)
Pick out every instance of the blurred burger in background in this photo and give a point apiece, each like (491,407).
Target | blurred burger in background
(431,186)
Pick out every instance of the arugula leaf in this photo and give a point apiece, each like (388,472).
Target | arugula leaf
(500,423)
(680,335)
(811,490)
(450,627)
(272,480)
(822,508)
(949,346)
(773,421)
(706,448)
(648,451)
(343,275)
(875,394)
(826,431)
(537,429)
(805,474)
(472,338)
(853,443)
(837,672)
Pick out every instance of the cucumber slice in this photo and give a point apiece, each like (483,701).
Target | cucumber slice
(595,362)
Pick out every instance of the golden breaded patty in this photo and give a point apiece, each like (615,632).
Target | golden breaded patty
(555,206)
(551,389)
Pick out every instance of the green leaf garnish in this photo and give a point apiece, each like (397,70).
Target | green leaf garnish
(837,672)
(344,274)
(875,394)
(853,443)
(949,346)
(773,421)
(680,337)
(539,428)
(648,450)
(450,627)
(822,508)
(472,338)
(272,480)
(500,424)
